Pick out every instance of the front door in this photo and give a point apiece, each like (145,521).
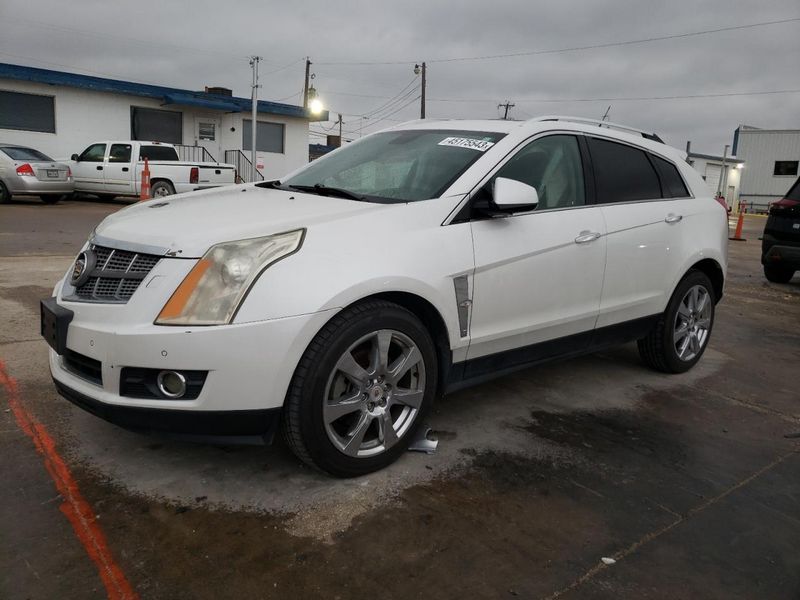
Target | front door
(539,275)
(88,171)
(206,135)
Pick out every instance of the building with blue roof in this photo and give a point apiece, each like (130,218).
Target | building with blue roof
(61,113)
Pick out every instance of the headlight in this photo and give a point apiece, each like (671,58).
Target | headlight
(212,291)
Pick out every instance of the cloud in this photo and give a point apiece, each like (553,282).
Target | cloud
(206,43)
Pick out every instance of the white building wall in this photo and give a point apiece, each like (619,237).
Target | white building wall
(85,116)
(760,148)
(711,170)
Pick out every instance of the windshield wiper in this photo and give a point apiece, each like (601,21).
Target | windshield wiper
(324,190)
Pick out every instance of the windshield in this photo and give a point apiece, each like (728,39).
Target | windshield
(21,153)
(398,166)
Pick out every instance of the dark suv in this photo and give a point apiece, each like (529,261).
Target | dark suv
(780,248)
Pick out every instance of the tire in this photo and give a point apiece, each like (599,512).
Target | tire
(5,197)
(682,322)
(778,274)
(51,198)
(349,436)
(161,188)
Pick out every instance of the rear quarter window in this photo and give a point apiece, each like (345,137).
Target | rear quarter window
(671,179)
(622,173)
(158,153)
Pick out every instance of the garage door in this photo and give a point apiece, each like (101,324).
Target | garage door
(712,177)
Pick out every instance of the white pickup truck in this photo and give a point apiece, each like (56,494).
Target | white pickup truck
(110,169)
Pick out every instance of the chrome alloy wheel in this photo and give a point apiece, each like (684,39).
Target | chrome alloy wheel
(692,323)
(374,393)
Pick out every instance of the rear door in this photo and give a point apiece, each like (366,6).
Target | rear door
(538,275)
(118,170)
(88,170)
(643,229)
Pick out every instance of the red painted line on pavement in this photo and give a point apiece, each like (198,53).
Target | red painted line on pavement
(74,507)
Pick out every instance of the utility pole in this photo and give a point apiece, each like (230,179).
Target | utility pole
(422,68)
(307,81)
(722,172)
(340,129)
(254,60)
(506,105)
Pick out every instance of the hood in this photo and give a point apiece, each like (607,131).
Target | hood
(187,225)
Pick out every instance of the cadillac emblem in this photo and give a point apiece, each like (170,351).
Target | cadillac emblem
(82,269)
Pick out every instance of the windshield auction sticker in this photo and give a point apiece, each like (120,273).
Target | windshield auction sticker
(471,143)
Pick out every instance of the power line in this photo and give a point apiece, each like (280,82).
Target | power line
(673,36)
(389,105)
(622,99)
(391,99)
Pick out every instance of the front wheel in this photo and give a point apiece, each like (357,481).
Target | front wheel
(681,334)
(778,274)
(361,390)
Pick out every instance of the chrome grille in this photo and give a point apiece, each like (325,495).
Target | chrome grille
(116,275)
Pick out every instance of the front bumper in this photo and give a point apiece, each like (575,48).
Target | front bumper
(249,365)
(204,424)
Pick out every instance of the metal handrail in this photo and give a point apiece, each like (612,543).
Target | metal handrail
(245,171)
(194,153)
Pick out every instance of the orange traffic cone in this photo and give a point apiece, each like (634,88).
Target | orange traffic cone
(737,236)
(144,193)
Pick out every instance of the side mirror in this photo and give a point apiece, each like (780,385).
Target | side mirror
(510,195)
(75,157)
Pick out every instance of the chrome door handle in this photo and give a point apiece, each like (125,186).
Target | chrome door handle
(671,218)
(586,236)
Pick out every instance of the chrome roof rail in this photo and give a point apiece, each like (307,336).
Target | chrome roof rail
(645,134)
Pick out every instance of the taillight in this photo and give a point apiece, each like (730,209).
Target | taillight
(786,204)
(69,172)
(194,175)
(721,200)
(25,170)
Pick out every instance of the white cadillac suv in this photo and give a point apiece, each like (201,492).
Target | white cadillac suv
(336,304)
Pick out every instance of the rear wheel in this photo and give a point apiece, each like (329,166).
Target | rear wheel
(4,195)
(361,390)
(778,274)
(161,188)
(51,198)
(682,332)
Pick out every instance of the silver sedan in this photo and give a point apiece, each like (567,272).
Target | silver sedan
(27,172)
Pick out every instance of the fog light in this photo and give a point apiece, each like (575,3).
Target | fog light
(171,383)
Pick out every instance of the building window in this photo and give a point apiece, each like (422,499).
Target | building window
(785,167)
(153,125)
(27,112)
(207,131)
(269,136)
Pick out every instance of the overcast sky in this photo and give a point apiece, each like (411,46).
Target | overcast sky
(197,43)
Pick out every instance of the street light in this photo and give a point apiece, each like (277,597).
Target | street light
(316,106)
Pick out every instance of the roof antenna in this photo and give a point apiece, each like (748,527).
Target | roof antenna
(605,116)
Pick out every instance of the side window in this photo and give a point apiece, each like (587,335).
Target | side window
(670,178)
(119,153)
(622,173)
(94,153)
(553,166)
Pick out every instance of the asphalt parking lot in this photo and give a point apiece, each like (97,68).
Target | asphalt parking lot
(689,483)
